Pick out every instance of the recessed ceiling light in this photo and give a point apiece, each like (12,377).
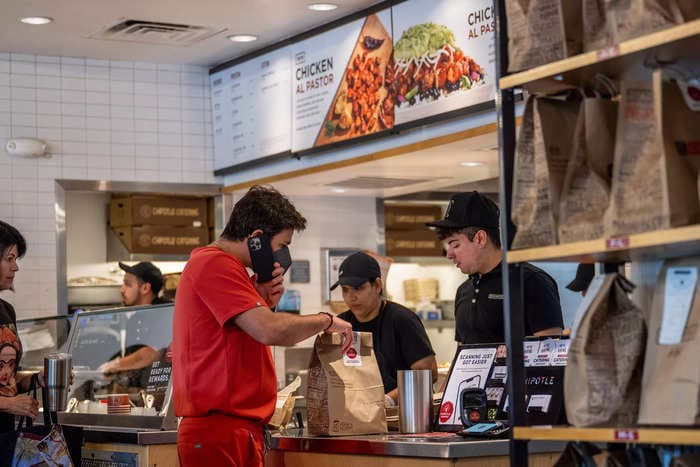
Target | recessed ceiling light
(338,190)
(36,20)
(322,6)
(471,164)
(242,38)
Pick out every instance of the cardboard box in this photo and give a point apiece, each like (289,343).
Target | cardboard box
(410,217)
(158,239)
(154,210)
(412,243)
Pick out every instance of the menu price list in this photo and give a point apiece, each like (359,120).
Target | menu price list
(251,109)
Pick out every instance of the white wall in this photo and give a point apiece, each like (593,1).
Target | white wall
(103,120)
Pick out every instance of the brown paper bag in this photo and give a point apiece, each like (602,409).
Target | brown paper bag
(604,369)
(671,394)
(609,22)
(652,186)
(542,155)
(542,31)
(345,394)
(586,192)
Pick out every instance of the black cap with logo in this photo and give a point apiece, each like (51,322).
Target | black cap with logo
(469,209)
(146,272)
(357,269)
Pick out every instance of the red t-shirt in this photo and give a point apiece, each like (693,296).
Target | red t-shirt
(217,367)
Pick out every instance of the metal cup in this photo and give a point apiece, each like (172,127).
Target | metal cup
(57,371)
(415,401)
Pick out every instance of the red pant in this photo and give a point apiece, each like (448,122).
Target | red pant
(219,440)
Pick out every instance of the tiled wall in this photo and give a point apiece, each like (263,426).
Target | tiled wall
(103,120)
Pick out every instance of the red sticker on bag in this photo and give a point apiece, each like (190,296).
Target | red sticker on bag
(446,411)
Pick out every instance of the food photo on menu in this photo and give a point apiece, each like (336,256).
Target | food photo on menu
(428,64)
(362,104)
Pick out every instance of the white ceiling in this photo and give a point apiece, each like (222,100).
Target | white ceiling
(75,20)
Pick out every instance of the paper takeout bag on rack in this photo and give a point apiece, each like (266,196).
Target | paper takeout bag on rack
(652,186)
(609,22)
(671,384)
(541,157)
(345,393)
(602,380)
(586,191)
(542,31)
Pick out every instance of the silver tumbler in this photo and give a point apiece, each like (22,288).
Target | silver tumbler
(57,370)
(415,401)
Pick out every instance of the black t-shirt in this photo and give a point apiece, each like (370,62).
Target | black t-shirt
(399,339)
(11,346)
(479,305)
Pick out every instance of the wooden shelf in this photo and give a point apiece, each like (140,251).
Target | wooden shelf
(674,40)
(639,435)
(659,244)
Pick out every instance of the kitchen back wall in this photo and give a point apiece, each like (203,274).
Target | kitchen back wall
(103,120)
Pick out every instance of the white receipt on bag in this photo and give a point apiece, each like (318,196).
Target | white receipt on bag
(678,299)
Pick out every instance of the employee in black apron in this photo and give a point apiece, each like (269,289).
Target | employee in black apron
(471,235)
(400,340)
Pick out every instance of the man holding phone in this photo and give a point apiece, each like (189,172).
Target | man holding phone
(224,380)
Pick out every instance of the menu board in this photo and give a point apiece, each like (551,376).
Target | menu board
(415,60)
(444,56)
(251,109)
(338,83)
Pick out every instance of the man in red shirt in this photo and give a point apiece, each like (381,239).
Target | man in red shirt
(224,380)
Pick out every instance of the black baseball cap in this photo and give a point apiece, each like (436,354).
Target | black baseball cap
(470,209)
(147,272)
(357,269)
(584,276)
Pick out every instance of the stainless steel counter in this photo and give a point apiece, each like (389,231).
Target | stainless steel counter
(431,445)
(142,437)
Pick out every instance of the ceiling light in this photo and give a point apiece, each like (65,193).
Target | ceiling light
(322,6)
(338,190)
(242,38)
(471,164)
(36,20)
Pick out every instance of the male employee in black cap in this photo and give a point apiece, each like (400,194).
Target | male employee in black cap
(142,282)
(470,232)
(400,341)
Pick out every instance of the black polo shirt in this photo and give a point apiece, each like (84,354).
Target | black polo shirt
(479,305)
(399,339)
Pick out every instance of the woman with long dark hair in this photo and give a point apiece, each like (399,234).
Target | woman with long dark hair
(12,402)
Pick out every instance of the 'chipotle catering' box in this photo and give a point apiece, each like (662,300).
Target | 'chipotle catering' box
(410,217)
(420,242)
(155,210)
(162,239)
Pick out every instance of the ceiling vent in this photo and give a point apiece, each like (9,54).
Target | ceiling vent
(149,32)
(370,183)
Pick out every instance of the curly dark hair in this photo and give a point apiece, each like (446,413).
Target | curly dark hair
(262,208)
(10,236)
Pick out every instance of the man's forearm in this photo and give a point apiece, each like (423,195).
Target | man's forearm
(291,328)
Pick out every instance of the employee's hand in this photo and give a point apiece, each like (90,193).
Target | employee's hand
(23,406)
(271,291)
(342,327)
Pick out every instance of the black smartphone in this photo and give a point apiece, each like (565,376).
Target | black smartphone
(261,256)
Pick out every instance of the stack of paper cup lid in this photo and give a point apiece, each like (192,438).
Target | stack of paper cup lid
(118,403)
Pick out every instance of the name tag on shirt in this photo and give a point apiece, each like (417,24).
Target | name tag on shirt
(495,296)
